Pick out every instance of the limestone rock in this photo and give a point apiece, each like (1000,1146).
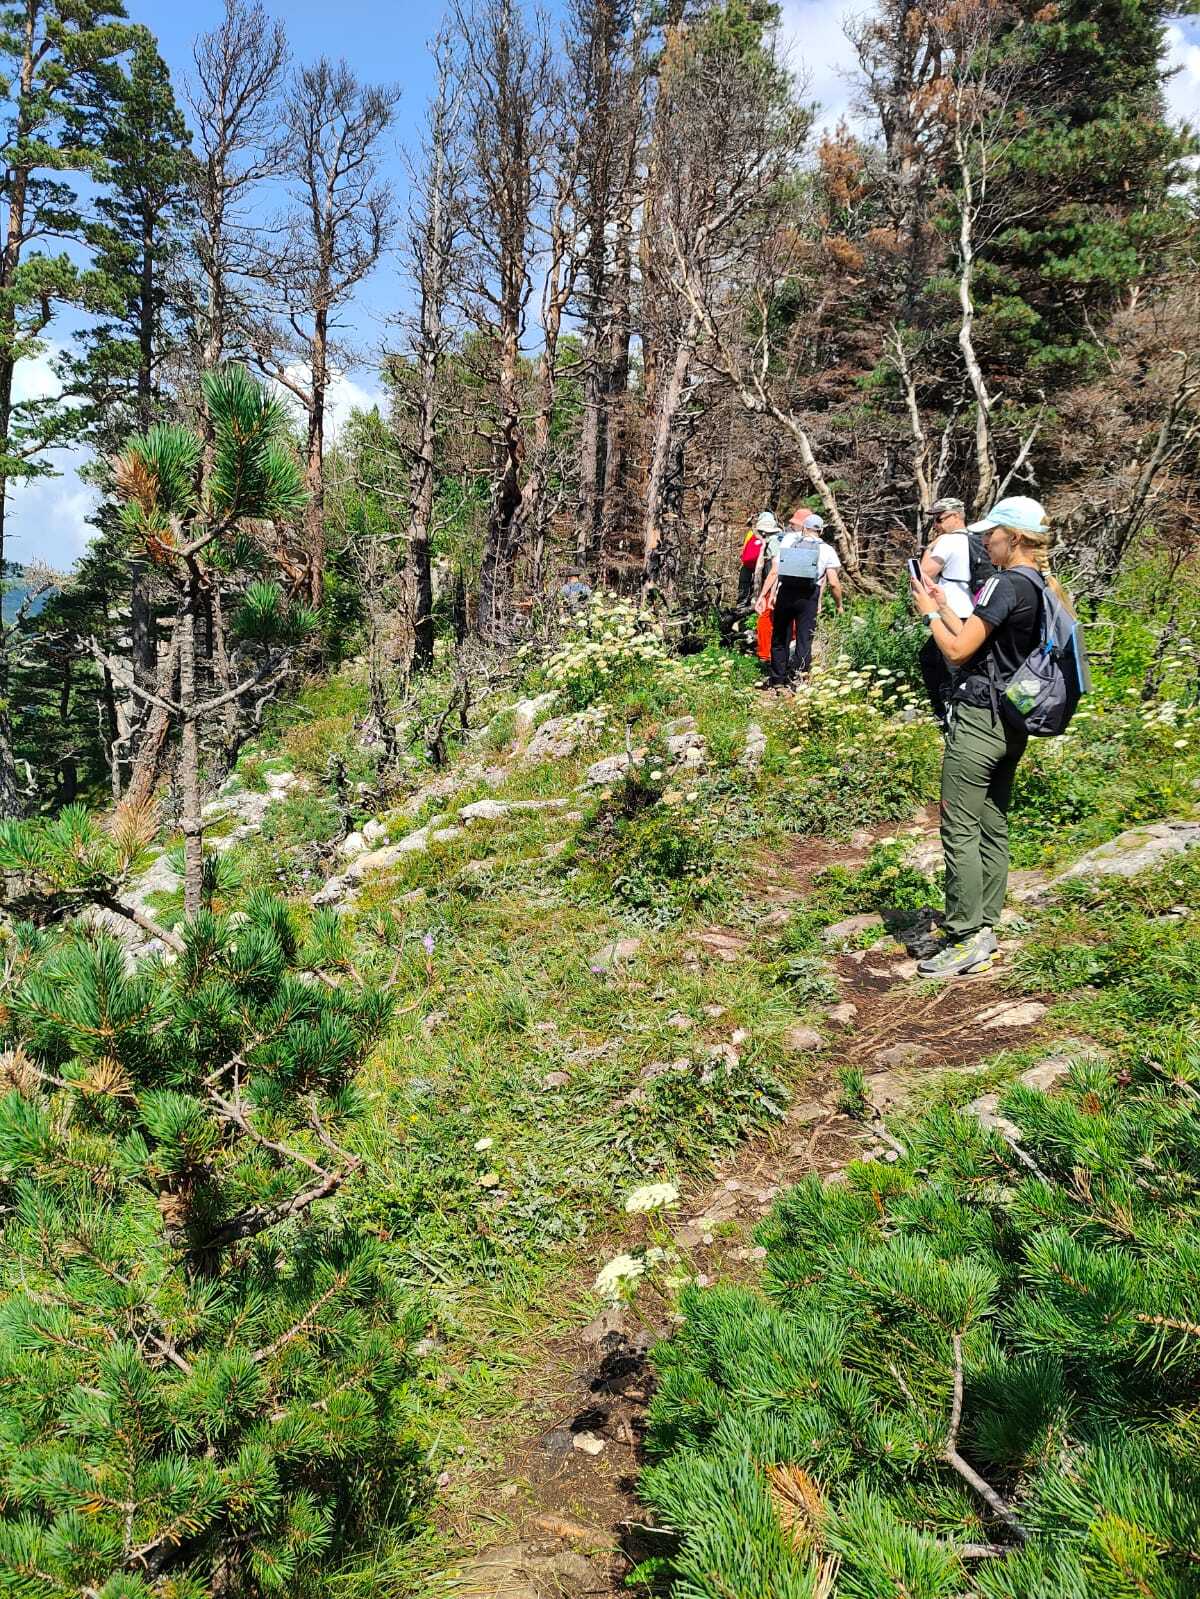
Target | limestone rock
(756,748)
(841,932)
(561,736)
(679,725)
(802,1114)
(330,892)
(986,1110)
(618,953)
(379,860)
(1134,850)
(609,770)
(374,831)
(554,1080)
(687,749)
(908,1053)
(799,1040)
(842,1015)
(491,810)
(1012,1013)
(526,712)
(728,947)
(1047,1072)
(886,1090)
(353,844)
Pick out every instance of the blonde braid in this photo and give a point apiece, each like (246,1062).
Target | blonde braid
(1038,545)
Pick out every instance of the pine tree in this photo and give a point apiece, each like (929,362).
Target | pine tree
(52,50)
(191,521)
(201,1361)
(1095,179)
(973,1372)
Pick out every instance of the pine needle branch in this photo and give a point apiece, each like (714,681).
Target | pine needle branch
(234,1112)
(306,1321)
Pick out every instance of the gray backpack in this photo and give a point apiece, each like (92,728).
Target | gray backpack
(799,558)
(1041,696)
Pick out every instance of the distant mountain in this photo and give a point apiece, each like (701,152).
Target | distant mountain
(15,590)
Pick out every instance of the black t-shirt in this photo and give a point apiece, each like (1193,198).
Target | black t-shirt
(1011,602)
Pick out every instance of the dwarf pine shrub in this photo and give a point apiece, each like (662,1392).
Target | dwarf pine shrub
(971,1372)
(201,1367)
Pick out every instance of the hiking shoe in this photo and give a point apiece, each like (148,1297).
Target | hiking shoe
(974,954)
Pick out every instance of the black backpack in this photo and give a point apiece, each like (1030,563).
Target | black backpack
(981,562)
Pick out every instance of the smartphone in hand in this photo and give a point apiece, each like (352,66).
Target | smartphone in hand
(915,572)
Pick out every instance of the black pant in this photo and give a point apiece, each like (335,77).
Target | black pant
(745,583)
(937,676)
(795,602)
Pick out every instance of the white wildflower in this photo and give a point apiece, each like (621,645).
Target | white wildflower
(652,1196)
(621,1269)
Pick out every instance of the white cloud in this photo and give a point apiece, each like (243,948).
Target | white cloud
(343,396)
(47,516)
(813,40)
(1183,90)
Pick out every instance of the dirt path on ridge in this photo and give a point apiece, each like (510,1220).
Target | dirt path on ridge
(564,1506)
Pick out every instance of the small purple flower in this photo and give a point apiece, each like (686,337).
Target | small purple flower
(427,943)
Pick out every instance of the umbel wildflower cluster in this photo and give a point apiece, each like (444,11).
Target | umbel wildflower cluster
(201,1369)
(972,1372)
(606,645)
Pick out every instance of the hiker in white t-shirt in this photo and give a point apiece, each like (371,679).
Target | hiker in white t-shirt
(947,563)
(796,594)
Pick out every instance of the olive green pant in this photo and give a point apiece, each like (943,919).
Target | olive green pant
(978,768)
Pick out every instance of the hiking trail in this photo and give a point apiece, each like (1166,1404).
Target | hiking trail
(564,1518)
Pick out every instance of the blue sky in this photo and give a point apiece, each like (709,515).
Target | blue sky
(386,43)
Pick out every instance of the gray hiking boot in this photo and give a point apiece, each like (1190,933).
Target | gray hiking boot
(974,954)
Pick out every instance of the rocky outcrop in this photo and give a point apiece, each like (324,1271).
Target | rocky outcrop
(1133,851)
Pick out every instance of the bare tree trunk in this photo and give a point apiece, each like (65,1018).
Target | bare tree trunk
(17,185)
(189,749)
(314,472)
(148,765)
(432,240)
(616,442)
(670,400)
(970,201)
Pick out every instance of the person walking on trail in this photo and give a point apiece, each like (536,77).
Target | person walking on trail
(576,590)
(802,565)
(752,548)
(956,560)
(982,748)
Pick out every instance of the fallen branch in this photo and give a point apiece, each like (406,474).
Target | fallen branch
(999,1507)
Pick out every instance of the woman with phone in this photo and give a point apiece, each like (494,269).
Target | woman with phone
(982,749)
